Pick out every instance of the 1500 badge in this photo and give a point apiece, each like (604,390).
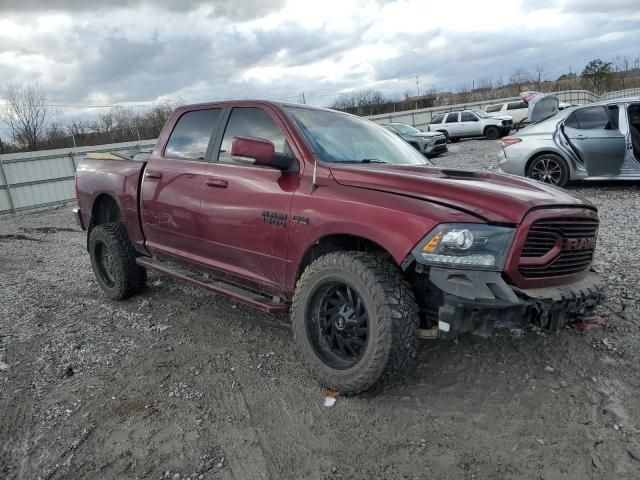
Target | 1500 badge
(274,218)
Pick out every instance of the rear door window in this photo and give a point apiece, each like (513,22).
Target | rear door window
(517,105)
(493,108)
(589,118)
(452,118)
(251,122)
(190,137)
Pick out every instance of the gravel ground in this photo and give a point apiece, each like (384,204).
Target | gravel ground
(178,383)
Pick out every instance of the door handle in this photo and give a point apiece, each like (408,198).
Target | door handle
(152,174)
(216,182)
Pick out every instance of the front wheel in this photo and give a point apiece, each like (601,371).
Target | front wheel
(354,320)
(492,133)
(549,168)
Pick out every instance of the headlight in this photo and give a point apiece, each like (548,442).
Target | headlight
(465,245)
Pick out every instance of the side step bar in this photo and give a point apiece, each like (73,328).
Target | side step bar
(239,294)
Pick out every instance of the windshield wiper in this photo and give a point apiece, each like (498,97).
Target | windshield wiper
(364,160)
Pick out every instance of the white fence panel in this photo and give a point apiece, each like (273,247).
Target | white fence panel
(39,179)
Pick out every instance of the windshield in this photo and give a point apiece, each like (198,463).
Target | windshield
(338,137)
(405,129)
(481,114)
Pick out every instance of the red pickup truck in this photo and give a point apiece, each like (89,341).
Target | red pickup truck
(325,215)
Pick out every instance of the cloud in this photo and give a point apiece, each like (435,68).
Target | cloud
(122,51)
(234,9)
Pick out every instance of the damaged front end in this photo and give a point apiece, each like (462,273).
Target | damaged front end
(480,302)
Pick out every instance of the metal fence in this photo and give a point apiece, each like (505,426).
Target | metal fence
(420,118)
(45,178)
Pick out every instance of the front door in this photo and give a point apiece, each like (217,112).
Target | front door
(173,186)
(597,140)
(469,125)
(246,208)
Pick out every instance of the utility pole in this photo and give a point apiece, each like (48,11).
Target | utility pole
(417,89)
(304,100)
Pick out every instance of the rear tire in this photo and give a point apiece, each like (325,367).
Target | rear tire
(373,287)
(492,133)
(549,168)
(113,259)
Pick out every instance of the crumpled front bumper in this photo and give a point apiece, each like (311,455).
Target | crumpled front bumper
(479,301)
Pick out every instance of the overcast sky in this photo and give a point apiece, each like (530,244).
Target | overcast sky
(105,52)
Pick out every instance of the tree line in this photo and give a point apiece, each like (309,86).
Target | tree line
(32,123)
(597,76)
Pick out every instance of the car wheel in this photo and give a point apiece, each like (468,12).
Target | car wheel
(354,320)
(549,168)
(446,135)
(454,139)
(492,133)
(113,260)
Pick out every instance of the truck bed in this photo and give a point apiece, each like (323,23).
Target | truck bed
(115,175)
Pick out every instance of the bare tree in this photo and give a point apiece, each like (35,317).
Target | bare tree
(26,113)
(520,78)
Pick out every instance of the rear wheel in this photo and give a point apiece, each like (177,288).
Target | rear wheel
(549,168)
(492,133)
(113,259)
(354,320)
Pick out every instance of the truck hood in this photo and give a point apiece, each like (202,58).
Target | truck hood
(491,197)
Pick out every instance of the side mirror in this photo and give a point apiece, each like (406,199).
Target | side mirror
(256,151)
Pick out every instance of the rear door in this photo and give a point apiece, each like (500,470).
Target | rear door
(596,138)
(246,208)
(174,183)
(452,124)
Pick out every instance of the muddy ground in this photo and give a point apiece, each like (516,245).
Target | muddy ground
(177,382)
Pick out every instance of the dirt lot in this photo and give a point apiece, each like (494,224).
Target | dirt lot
(177,382)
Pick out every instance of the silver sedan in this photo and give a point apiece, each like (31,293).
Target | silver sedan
(599,141)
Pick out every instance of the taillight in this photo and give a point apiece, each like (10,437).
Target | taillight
(506,141)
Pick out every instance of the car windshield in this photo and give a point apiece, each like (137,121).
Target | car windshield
(339,137)
(481,114)
(405,129)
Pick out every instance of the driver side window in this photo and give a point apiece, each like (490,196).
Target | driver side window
(251,122)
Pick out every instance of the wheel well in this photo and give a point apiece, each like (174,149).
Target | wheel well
(539,154)
(336,243)
(104,210)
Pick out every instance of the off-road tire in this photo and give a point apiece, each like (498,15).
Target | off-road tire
(393,320)
(492,133)
(128,278)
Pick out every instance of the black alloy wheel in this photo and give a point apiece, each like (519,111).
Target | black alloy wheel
(338,324)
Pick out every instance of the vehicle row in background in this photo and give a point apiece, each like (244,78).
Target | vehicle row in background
(470,123)
(599,141)
(427,143)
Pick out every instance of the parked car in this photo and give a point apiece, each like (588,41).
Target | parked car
(328,216)
(427,143)
(590,142)
(518,110)
(470,123)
